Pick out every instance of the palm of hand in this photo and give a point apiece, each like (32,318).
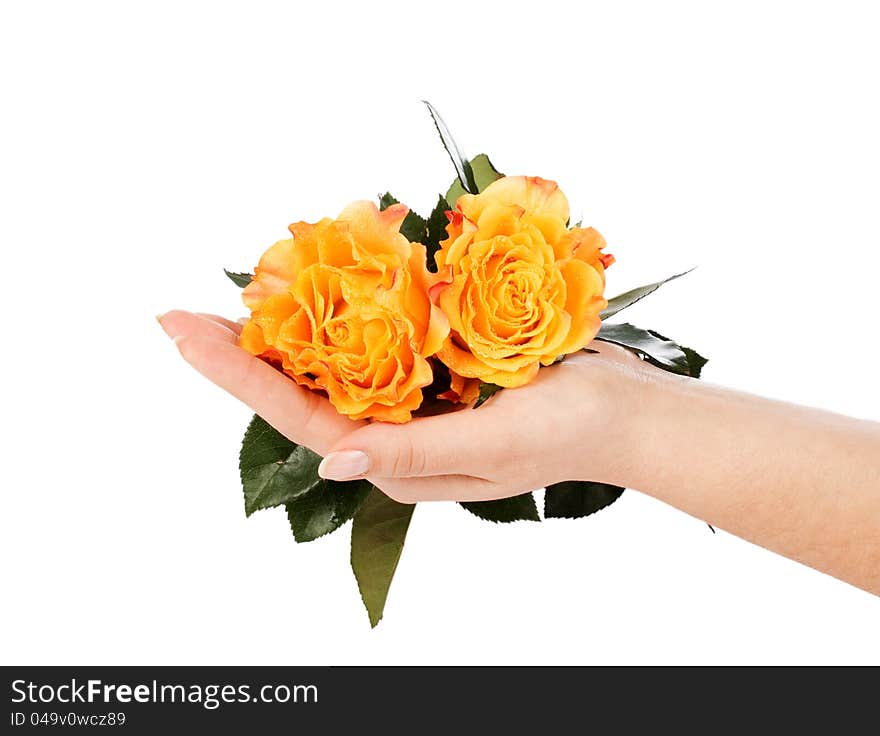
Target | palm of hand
(553,429)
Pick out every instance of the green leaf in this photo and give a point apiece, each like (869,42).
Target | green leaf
(484,174)
(515,508)
(325,508)
(386,200)
(462,166)
(661,352)
(239,279)
(273,469)
(484,171)
(695,362)
(413,227)
(627,299)
(436,231)
(572,499)
(487,390)
(377,537)
(276,471)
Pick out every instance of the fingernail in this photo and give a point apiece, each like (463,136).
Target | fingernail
(344,465)
(159,317)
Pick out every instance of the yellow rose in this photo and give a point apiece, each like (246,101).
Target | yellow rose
(343,307)
(525,288)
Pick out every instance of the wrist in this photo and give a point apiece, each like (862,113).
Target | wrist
(637,409)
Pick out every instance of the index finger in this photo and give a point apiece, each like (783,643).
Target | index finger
(301,415)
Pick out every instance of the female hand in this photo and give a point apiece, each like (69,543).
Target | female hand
(799,481)
(568,424)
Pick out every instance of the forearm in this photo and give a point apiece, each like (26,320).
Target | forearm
(802,482)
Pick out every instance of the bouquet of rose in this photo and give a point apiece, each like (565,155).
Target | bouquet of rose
(391,315)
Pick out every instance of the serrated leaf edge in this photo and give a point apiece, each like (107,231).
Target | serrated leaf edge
(502,521)
(584,516)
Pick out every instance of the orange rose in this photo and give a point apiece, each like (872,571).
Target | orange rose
(525,288)
(343,307)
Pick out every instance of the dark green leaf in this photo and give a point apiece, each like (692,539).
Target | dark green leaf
(572,499)
(377,536)
(325,508)
(515,508)
(486,390)
(273,469)
(627,299)
(239,279)
(661,352)
(413,227)
(436,231)
(386,200)
(484,174)
(462,166)
(695,361)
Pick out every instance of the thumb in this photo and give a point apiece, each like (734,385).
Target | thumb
(423,447)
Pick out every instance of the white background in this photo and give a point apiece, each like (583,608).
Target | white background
(147,145)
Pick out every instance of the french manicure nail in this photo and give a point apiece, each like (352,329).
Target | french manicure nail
(344,465)
(159,317)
